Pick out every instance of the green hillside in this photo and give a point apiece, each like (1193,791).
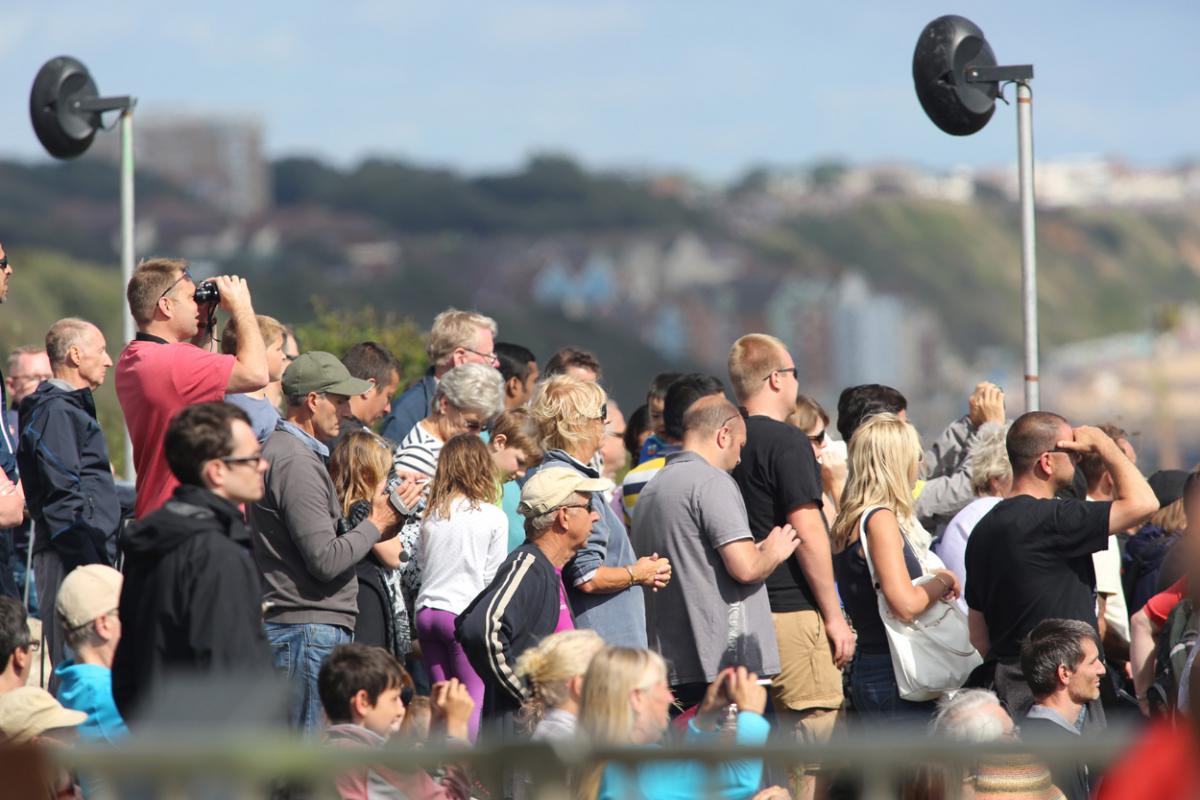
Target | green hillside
(1100,271)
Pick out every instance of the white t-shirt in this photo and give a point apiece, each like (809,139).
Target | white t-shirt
(952,548)
(459,556)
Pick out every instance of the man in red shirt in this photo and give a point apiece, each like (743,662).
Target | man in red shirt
(162,371)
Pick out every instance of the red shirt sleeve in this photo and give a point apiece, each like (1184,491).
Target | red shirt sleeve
(200,376)
(1159,607)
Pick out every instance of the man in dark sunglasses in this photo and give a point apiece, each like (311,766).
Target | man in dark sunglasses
(192,600)
(1030,558)
(163,371)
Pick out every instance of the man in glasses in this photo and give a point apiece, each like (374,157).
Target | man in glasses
(781,484)
(1030,557)
(526,600)
(66,468)
(456,337)
(191,599)
(163,371)
(16,650)
(693,511)
(677,398)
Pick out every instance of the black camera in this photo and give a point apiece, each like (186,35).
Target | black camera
(207,292)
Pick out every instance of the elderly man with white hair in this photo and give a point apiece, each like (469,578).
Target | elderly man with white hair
(975,715)
(456,338)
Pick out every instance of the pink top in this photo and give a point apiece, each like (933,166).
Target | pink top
(565,621)
(155,381)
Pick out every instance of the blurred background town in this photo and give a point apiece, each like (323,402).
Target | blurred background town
(875,269)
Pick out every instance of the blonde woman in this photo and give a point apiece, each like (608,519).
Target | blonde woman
(605,579)
(626,701)
(885,456)
(554,671)
(262,411)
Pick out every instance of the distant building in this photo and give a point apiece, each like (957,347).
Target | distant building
(217,158)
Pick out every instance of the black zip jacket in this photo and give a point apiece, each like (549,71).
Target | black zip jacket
(191,601)
(517,610)
(66,475)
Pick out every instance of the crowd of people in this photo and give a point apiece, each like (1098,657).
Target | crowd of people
(495,553)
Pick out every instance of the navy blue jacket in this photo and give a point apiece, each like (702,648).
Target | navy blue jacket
(66,474)
(409,408)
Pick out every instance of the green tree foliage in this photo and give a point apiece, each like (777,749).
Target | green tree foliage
(336,330)
(552,193)
(47,286)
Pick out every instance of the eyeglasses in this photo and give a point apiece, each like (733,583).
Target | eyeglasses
(253,460)
(491,358)
(785,369)
(603,413)
(187,275)
(817,439)
(587,505)
(473,425)
(1075,457)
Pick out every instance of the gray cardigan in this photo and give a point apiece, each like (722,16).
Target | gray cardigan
(307,569)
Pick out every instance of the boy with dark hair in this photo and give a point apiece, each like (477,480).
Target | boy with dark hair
(363,692)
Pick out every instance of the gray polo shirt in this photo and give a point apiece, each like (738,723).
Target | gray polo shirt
(704,620)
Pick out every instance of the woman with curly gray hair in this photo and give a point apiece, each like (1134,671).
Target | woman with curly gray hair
(991,478)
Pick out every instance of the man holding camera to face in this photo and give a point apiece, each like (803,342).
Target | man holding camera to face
(163,370)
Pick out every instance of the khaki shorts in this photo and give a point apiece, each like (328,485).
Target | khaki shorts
(808,678)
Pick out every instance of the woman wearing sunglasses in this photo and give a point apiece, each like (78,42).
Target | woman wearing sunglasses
(466,399)
(605,579)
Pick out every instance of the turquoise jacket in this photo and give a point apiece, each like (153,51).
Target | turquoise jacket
(88,688)
(686,780)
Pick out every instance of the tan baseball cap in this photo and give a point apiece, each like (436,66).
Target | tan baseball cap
(88,592)
(30,711)
(551,487)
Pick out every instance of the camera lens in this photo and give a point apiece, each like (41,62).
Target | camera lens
(207,293)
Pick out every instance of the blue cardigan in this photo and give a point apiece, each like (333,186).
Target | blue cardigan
(686,780)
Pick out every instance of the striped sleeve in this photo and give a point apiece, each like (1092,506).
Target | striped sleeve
(497,631)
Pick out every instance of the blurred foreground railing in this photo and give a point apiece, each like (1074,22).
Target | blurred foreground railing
(240,765)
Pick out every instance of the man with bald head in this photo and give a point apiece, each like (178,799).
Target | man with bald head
(1030,557)
(65,466)
(714,613)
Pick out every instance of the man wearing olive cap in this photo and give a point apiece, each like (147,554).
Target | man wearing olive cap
(310,588)
(526,601)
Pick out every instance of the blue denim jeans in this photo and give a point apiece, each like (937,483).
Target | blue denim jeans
(298,651)
(875,695)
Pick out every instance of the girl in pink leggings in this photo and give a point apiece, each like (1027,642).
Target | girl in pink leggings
(464,537)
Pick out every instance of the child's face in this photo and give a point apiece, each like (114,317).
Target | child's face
(385,716)
(509,461)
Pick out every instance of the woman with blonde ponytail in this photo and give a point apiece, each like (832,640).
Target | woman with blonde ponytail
(626,701)
(885,456)
(554,671)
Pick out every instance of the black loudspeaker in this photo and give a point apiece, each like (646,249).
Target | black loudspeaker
(63,128)
(947,47)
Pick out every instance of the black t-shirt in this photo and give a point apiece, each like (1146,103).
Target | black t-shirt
(1029,560)
(777,474)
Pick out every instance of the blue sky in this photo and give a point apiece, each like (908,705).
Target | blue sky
(710,88)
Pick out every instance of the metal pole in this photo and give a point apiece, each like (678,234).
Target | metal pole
(1028,245)
(127,244)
